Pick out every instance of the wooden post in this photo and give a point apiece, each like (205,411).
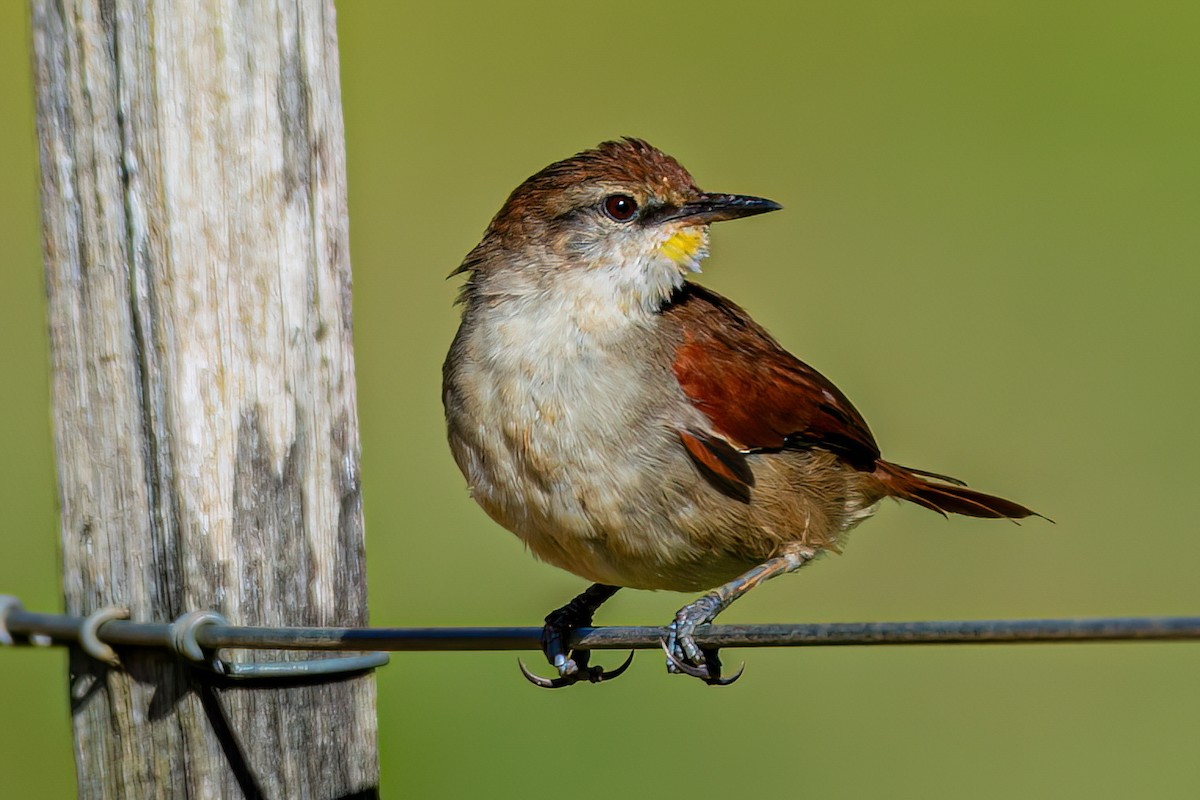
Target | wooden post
(194,200)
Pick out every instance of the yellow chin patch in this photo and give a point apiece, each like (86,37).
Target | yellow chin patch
(686,247)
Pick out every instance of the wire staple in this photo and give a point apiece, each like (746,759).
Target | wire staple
(89,634)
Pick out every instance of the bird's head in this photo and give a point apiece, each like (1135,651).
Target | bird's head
(622,223)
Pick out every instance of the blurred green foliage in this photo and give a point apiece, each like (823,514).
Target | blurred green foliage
(990,242)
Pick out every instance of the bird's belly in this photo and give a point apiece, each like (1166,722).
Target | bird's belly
(584,465)
(571,488)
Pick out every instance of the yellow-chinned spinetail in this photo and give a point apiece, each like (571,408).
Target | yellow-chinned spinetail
(637,429)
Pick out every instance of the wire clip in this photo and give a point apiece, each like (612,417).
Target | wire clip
(7,603)
(89,634)
(182,641)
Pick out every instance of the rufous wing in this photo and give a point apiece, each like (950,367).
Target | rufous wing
(757,395)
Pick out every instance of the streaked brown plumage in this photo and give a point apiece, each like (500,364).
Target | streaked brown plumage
(637,429)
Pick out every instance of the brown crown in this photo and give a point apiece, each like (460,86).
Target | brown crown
(631,163)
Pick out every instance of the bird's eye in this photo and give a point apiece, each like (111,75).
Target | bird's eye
(620,207)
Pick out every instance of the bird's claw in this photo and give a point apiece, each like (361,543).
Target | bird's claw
(571,673)
(709,671)
(684,656)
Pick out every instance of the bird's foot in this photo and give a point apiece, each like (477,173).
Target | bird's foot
(574,670)
(560,625)
(686,657)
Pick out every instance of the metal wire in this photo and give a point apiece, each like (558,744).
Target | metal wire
(62,629)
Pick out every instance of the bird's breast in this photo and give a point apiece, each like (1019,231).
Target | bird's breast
(565,434)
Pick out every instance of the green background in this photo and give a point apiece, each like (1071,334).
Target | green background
(991,242)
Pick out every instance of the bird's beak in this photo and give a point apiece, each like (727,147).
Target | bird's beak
(716,207)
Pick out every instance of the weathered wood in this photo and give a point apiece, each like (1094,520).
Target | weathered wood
(197,267)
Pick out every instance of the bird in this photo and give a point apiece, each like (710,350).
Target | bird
(639,430)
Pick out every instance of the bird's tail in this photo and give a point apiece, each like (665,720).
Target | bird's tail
(945,495)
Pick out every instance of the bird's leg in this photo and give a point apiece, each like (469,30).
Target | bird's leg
(683,654)
(562,622)
(556,637)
